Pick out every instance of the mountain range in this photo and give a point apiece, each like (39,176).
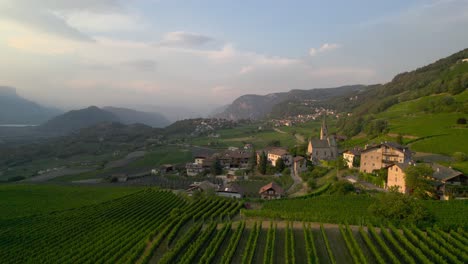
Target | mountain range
(78,119)
(15,109)
(253,106)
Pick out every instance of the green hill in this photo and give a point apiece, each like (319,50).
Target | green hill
(430,123)
(448,75)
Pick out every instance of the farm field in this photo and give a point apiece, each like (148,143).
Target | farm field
(352,209)
(19,200)
(238,136)
(155,226)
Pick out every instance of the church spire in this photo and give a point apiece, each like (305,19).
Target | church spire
(324,130)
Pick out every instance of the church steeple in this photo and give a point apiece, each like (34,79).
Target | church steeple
(324,131)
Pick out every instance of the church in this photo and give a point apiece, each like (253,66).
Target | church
(324,148)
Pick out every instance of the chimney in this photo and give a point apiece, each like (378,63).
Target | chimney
(438,169)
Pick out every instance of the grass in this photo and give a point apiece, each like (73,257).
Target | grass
(437,132)
(152,159)
(238,136)
(22,200)
(163,155)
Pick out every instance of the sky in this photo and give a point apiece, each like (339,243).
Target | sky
(205,53)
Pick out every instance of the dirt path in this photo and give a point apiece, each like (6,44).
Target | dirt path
(293,190)
(279,131)
(300,138)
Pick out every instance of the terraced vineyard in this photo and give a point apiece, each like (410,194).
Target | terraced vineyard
(153,226)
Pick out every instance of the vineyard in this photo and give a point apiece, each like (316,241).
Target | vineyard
(353,209)
(154,226)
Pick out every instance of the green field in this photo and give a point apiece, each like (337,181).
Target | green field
(17,200)
(151,160)
(241,135)
(154,226)
(435,132)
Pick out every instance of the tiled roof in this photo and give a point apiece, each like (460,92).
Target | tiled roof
(274,186)
(318,143)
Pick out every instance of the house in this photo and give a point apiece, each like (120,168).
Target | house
(234,158)
(194,169)
(275,154)
(271,191)
(396,176)
(204,186)
(120,177)
(445,179)
(231,191)
(299,165)
(452,183)
(383,156)
(324,148)
(166,168)
(351,156)
(199,160)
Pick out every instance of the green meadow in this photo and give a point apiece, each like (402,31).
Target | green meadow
(435,132)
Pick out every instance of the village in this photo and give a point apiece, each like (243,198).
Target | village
(390,159)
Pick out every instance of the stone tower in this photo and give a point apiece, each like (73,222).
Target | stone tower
(324,131)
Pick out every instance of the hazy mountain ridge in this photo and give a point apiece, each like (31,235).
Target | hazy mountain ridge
(77,119)
(130,116)
(15,109)
(253,106)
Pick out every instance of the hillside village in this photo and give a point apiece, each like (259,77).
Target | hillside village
(387,158)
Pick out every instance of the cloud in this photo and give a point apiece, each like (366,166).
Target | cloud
(260,61)
(324,48)
(184,39)
(141,65)
(87,21)
(246,69)
(39,18)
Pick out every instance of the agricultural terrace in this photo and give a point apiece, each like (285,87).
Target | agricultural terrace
(20,200)
(352,209)
(155,226)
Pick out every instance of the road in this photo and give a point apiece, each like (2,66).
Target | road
(293,190)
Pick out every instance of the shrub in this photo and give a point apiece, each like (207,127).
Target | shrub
(459,156)
(401,209)
(461,121)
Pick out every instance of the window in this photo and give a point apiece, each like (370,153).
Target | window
(396,179)
(396,169)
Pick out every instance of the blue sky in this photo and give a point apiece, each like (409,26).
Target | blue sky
(206,53)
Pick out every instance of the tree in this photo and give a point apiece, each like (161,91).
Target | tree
(416,181)
(357,162)
(262,163)
(280,165)
(461,121)
(400,209)
(459,156)
(253,161)
(456,86)
(399,138)
(274,143)
(216,168)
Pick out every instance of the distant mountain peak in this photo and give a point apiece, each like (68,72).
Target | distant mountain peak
(7,91)
(15,109)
